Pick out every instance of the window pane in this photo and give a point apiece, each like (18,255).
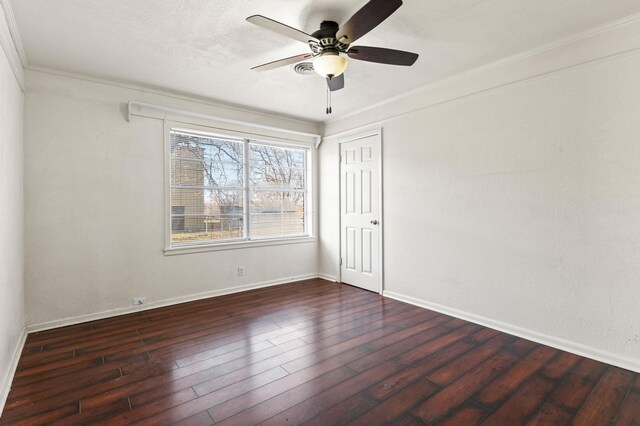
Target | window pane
(277,214)
(206,215)
(203,161)
(276,168)
(206,189)
(277,176)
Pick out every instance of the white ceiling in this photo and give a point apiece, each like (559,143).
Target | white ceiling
(205,47)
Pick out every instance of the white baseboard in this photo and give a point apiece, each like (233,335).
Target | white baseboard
(11,371)
(545,339)
(328,277)
(166,302)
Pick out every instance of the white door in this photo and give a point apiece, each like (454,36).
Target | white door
(359,212)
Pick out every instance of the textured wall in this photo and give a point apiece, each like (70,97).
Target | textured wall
(94,186)
(11,216)
(519,205)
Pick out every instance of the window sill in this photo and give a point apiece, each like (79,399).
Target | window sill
(171,251)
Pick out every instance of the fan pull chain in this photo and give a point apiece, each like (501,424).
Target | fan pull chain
(328,100)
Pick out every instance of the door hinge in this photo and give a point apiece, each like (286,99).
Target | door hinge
(340,158)
(340,261)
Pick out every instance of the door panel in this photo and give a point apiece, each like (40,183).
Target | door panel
(359,196)
(350,189)
(350,252)
(367,261)
(366,192)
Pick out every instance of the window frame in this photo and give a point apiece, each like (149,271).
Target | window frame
(246,241)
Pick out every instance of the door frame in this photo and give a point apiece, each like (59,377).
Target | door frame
(377,132)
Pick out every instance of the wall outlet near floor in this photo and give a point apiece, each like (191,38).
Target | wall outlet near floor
(139,300)
(240,271)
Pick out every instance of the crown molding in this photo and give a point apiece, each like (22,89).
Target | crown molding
(13,30)
(602,43)
(11,42)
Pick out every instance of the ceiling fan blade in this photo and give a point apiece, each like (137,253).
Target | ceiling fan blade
(282,62)
(336,83)
(382,55)
(281,28)
(366,19)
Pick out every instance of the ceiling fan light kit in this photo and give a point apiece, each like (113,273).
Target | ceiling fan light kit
(331,44)
(330,64)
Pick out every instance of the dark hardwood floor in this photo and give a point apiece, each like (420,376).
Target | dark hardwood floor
(312,352)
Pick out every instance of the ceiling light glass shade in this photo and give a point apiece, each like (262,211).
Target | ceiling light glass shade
(330,64)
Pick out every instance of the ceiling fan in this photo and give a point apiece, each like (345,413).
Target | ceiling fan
(331,44)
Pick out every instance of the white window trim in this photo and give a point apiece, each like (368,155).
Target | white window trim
(310,200)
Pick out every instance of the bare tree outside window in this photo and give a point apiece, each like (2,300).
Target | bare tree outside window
(277,199)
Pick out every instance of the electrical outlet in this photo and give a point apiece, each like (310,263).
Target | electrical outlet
(240,271)
(139,300)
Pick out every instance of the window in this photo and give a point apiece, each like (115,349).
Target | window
(227,189)
(277,190)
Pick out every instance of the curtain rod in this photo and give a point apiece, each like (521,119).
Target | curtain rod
(133,104)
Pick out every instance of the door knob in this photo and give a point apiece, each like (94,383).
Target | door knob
(374,222)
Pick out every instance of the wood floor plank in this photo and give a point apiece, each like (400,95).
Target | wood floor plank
(522,346)
(550,414)
(502,387)
(417,370)
(185,377)
(45,402)
(460,390)
(604,401)
(309,352)
(560,365)
(340,413)
(390,409)
(269,362)
(230,405)
(330,311)
(201,419)
(95,413)
(572,392)
(28,363)
(268,400)
(629,414)
(42,373)
(263,410)
(408,419)
(411,338)
(522,404)
(43,418)
(450,372)
(214,376)
(374,336)
(323,401)
(469,415)
(180,405)
(322,329)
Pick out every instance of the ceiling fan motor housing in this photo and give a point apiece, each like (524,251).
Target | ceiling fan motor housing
(327,37)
